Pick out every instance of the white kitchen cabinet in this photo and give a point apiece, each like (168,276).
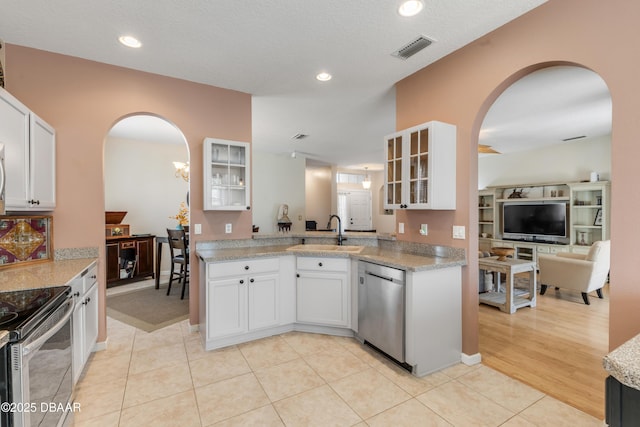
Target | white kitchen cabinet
(420,168)
(242,296)
(433,319)
(85,317)
(29,157)
(323,291)
(226,175)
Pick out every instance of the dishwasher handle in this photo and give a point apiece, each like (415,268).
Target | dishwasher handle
(388,279)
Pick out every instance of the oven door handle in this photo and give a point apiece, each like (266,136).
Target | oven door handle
(37,343)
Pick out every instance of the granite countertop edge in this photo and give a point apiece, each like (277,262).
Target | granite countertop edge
(623,363)
(398,259)
(42,274)
(4,338)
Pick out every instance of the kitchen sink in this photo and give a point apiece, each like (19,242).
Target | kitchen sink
(326,248)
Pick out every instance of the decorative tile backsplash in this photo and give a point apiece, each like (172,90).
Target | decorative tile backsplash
(25,239)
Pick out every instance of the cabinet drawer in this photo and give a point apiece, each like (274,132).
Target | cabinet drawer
(128,245)
(322,264)
(90,277)
(239,268)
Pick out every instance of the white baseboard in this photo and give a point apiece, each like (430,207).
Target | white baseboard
(194,328)
(100,346)
(472,359)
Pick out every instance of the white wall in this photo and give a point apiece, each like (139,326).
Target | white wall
(277,179)
(570,162)
(318,194)
(140,178)
(382,222)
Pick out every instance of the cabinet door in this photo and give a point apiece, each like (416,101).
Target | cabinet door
(418,170)
(113,269)
(90,320)
(14,134)
(78,338)
(42,171)
(394,171)
(226,175)
(322,298)
(226,307)
(263,294)
(144,251)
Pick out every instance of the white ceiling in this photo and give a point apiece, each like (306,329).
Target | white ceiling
(272,50)
(547,107)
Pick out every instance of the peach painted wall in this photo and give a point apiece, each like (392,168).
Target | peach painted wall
(82,100)
(460,88)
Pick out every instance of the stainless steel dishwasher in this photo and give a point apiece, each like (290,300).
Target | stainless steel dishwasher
(381,308)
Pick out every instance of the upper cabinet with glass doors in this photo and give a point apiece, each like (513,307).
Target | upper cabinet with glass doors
(226,175)
(420,168)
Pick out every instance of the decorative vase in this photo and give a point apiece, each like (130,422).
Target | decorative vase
(179,227)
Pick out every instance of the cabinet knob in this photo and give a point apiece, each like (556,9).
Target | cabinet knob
(251,280)
(320,264)
(77,294)
(241,281)
(246,267)
(297,274)
(248,207)
(94,276)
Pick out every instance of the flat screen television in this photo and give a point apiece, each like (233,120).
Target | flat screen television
(535,221)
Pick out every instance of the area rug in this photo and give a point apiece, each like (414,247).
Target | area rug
(148,309)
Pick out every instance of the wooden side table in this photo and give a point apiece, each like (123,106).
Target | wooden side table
(507,301)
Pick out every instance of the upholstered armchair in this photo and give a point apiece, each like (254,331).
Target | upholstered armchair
(583,273)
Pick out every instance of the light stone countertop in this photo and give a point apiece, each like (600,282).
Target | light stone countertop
(623,363)
(4,338)
(42,274)
(398,259)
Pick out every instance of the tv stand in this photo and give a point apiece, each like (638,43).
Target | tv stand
(588,220)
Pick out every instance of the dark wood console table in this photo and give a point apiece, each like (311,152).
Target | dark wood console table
(129,259)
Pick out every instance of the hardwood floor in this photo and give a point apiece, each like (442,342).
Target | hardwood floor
(556,347)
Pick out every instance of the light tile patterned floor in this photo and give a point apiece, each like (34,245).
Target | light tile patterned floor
(165,378)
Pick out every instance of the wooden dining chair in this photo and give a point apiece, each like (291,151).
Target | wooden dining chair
(179,250)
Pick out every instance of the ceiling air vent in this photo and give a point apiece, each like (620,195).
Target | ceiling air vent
(573,138)
(412,47)
(299,136)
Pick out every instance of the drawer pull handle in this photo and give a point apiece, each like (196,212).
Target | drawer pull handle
(320,264)
(241,281)
(251,280)
(246,267)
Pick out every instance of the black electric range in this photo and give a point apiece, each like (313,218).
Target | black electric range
(21,311)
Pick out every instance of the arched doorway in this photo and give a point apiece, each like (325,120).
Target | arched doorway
(146,179)
(550,123)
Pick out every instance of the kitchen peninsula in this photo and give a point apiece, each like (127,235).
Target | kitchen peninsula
(269,285)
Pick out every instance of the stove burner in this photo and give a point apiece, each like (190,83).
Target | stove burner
(7,317)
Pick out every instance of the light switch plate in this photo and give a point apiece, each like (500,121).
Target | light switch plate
(424,230)
(197,228)
(228,228)
(401,227)
(459,232)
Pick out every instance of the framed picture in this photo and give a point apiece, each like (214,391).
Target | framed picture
(598,219)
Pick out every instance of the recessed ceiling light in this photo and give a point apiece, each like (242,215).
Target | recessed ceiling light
(410,8)
(324,77)
(130,41)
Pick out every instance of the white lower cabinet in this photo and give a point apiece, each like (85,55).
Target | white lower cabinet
(244,298)
(322,291)
(85,317)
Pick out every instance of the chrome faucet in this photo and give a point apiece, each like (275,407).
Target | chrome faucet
(340,238)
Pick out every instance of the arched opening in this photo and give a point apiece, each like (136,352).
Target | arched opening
(146,183)
(548,125)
